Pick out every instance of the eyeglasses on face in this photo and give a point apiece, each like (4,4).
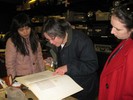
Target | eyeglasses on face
(50,39)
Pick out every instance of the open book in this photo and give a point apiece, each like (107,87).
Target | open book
(47,86)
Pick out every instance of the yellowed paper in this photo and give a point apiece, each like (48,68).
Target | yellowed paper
(47,86)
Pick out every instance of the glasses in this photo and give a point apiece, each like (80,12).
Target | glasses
(50,39)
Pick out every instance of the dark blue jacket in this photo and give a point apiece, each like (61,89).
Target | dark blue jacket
(81,60)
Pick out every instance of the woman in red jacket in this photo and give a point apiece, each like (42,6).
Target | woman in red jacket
(116,80)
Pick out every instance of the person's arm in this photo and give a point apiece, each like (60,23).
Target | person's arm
(128,80)
(87,63)
(10,58)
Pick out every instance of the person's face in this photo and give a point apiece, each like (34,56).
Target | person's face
(24,31)
(57,41)
(118,29)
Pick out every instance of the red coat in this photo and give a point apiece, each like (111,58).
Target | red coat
(116,80)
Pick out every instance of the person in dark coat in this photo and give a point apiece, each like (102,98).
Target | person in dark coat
(75,55)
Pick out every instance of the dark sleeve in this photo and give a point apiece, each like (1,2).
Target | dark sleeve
(87,62)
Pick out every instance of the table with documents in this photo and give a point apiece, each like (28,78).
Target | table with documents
(29,95)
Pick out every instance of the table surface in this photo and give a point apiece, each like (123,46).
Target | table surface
(28,94)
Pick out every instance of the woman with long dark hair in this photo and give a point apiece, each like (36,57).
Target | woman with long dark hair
(23,53)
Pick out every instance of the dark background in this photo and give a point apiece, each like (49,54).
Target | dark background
(51,7)
(8,9)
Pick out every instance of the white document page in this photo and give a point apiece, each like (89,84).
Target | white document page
(47,86)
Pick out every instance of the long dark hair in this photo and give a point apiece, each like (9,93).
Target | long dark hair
(19,21)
